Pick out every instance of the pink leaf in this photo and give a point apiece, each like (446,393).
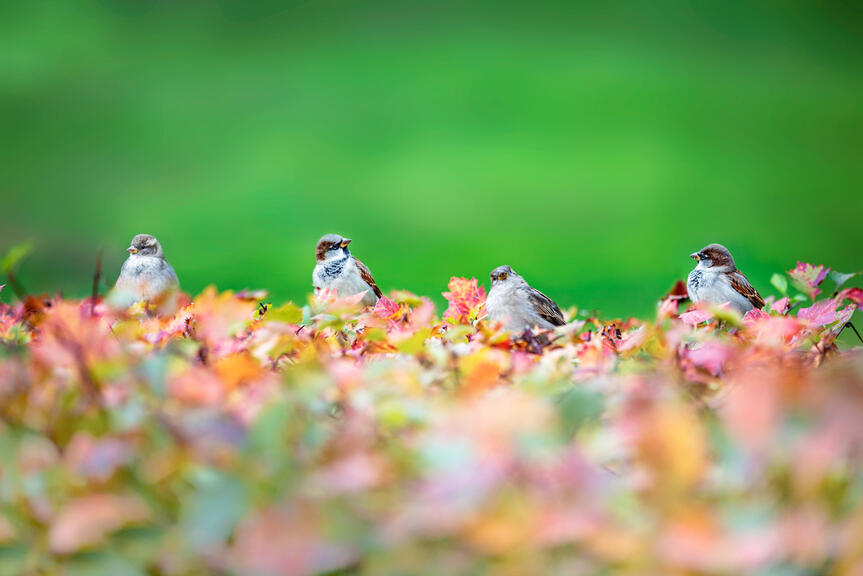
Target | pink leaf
(667,309)
(846,313)
(754,316)
(821,313)
(466,298)
(97,459)
(710,356)
(2,286)
(775,330)
(781,305)
(87,520)
(808,277)
(633,339)
(331,297)
(696,316)
(386,308)
(304,545)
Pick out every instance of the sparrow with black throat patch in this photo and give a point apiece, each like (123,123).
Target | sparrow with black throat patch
(338,270)
(146,274)
(514,303)
(717,280)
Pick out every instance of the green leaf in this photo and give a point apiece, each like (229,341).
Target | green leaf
(375,334)
(14,560)
(780,282)
(210,514)
(288,313)
(458,333)
(415,343)
(15,255)
(100,564)
(577,407)
(840,279)
(268,436)
(728,315)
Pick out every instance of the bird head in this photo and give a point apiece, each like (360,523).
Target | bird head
(145,245)
(332,246)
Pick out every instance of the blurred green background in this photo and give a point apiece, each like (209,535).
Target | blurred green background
(590,147)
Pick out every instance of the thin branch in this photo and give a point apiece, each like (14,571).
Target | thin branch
(89,384)
(97,275)
(16,286)
(847,324)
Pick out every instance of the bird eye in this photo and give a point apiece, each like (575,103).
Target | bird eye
(503,276)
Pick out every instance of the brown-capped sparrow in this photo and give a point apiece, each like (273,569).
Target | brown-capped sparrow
(717,280)
(338,270)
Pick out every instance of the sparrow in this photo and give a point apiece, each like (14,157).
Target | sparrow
(338,270)
(145,274)
(517,306)
(717,280)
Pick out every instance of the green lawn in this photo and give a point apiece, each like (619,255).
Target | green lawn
(592,150)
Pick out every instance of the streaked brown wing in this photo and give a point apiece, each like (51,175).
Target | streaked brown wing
(367,277)
(546,307)
(742,286)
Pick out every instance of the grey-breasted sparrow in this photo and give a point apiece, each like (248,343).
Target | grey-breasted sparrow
(338,270)
(145,274)
(514,303)
(717,280)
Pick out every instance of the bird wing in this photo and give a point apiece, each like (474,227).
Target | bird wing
(742,286)
(172,274)
(367,278)
(546,307)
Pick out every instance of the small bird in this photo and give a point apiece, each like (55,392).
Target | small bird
(145,274)
(338,270)
(519,307)
(717,280)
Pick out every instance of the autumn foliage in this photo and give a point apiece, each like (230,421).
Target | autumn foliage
(242,437)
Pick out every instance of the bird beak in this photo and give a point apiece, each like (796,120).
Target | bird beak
(695,256)
(132,250)
(345,242)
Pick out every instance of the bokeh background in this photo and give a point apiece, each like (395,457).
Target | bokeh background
(590,147)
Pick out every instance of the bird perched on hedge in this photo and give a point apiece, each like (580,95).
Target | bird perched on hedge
(717,280)
(338,270)
(146,274)
(519,307)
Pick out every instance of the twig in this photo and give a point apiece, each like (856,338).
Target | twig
(847,324)
(16,286)
(97,275)
(89,384)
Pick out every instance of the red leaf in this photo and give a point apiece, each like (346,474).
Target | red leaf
(821,313)
(678,291)
(465,297)
(854,294)
(386,308)
(808,277)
